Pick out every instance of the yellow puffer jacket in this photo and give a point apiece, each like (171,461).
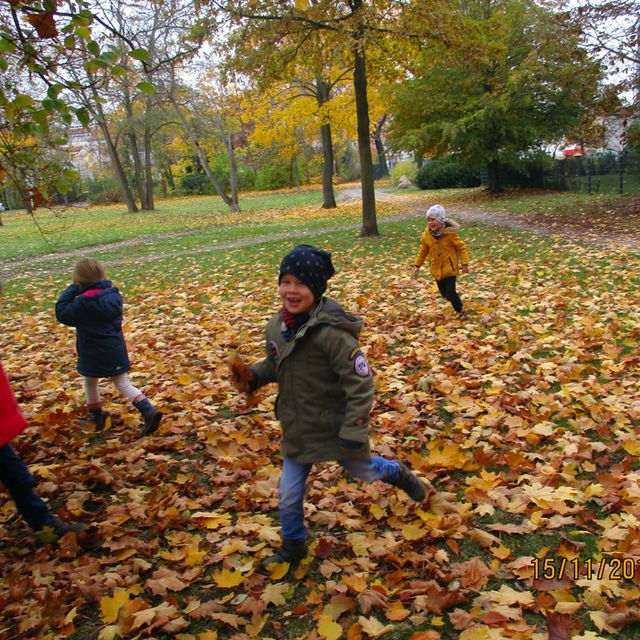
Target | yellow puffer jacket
(445,253)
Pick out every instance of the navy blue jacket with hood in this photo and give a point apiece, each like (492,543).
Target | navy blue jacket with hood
(96,313)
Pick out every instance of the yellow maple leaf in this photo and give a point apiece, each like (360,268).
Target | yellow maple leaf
(228,579)
(356,582)
(211,520)
(110,605)
(208,635)
(632,447)
(278,570)
(377,512)
(194,555)
(328,629)
(501,552)
(414,530)
(449,457)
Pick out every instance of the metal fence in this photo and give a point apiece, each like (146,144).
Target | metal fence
(603,173)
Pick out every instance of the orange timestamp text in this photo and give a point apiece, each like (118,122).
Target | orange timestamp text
(613,568)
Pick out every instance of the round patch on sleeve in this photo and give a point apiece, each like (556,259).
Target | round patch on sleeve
(361,366)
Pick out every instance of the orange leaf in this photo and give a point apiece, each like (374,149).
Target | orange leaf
(397,612)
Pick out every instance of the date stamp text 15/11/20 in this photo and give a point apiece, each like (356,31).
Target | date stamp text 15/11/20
(577,569)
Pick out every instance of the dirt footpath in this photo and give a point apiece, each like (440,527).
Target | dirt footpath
(600,225)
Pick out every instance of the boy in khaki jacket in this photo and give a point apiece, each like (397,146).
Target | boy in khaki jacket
(325,394)
(447,255)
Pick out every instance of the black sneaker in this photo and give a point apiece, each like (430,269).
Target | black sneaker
(291,551)
(410,484)
(61,527)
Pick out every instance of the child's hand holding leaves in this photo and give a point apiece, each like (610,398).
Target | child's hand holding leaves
(241,375)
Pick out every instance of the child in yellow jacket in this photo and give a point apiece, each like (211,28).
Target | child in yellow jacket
(447,254)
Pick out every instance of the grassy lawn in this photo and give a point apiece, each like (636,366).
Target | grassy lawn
(528,412)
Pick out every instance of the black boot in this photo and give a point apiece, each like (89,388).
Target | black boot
(56,528)
(98,417)
(291,551)
(410,484)
(151,415)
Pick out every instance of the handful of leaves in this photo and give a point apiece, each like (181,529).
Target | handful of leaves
(440,502)
(241,375)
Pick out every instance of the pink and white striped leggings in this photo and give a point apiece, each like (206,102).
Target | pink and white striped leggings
(121,383)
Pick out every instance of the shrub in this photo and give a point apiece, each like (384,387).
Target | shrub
(405,168)
(103,190)
(445,173)
(194,184)
(274,175)
(524,170)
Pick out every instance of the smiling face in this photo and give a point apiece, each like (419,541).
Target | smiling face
(296,297)
(434,225)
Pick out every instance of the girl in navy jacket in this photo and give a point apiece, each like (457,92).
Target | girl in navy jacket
(94,307)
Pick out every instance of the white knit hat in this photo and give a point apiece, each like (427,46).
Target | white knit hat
(437,212)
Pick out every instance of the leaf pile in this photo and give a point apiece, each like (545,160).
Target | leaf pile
(528,411)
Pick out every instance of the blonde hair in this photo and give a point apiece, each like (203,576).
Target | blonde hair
(87,271)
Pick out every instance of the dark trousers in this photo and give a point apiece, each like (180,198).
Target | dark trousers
(447,288)
(15,476)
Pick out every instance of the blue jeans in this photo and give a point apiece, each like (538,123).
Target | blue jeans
(15,476)
(294,478)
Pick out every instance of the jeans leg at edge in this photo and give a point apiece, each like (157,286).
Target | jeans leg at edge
(16,477)
(377,468)
(291,499)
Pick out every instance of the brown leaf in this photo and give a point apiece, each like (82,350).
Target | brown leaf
(559,626)
(370,599)
(44,23)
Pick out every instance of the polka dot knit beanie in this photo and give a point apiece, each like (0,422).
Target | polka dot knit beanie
(312,266)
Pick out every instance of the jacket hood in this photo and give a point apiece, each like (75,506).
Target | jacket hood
(99,284)
(328,311)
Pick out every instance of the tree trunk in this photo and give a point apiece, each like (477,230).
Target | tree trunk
(328,196)
(233,172)
(169,175)
(114,156)
(202,156)
(377,137)
(148,201)
(118,170)
(494,176)
(133,143)
(294,172)
(369,222)
(307,174)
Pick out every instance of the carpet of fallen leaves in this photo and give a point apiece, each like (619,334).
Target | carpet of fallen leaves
(528,410)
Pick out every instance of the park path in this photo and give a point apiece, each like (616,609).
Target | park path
(580,233)
(59,261)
